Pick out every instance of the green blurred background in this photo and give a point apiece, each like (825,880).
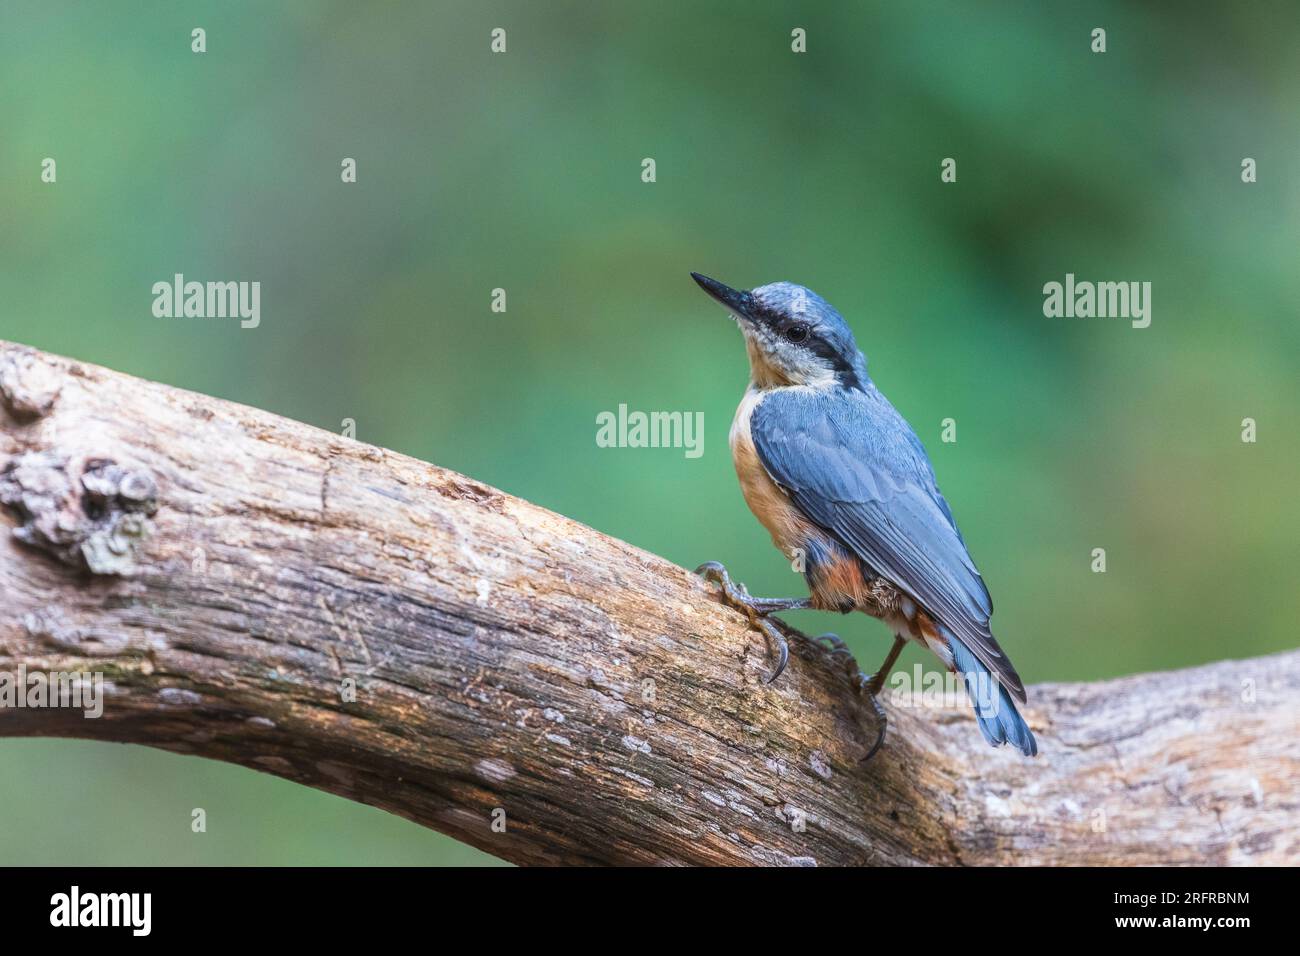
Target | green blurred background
(523,171)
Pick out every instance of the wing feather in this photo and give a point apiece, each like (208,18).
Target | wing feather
(855,468)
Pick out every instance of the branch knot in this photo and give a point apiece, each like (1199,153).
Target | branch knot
(90,514)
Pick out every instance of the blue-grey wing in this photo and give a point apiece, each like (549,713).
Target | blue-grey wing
(855,468)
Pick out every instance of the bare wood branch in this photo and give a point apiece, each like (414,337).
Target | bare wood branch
(229,571)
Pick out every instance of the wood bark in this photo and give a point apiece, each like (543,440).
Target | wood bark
(234,575)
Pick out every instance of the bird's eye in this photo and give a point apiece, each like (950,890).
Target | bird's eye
(796,333)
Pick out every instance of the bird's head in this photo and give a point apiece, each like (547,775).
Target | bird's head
(793,335)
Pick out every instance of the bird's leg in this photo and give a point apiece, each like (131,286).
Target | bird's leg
(874,687)
(756,609)
(877,682)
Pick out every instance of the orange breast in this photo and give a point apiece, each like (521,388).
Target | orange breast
(790,531)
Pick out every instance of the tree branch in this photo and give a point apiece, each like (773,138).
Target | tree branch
(229,571)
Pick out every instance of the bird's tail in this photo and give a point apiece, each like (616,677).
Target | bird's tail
(998,718)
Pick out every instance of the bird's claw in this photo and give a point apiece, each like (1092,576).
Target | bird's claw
(716,572)
(738,597)
(874,685)
(832,643)
(871,685)
(775,639)
(883,718)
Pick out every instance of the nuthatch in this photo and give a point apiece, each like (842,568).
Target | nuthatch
(835,473)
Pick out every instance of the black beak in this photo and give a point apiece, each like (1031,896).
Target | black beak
(740,304)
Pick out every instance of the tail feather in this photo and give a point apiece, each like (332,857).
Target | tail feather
(996,713)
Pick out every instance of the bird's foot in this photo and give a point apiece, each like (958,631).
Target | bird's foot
(840,653)
(882,717)
(756,609)
(740,598)
(832,643)
(874,685)
(871,685)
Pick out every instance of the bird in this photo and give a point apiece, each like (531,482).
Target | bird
(836,475)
